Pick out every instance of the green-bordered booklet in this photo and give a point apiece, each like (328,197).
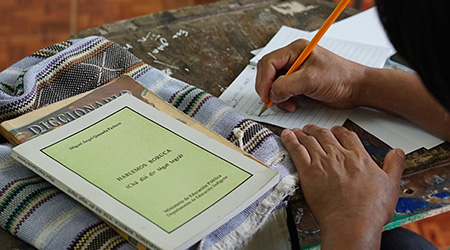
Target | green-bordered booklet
(159,180)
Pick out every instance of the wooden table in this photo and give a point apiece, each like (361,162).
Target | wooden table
(209,45)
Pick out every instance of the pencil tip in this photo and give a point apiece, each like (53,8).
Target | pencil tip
(264,108)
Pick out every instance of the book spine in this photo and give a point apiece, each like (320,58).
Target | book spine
(130,235)
(8,136)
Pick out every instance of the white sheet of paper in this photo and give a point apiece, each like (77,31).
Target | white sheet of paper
(393,130)
(370,55)
(256,51)
(364,27)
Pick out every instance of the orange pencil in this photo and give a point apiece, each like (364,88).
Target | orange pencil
(309,48)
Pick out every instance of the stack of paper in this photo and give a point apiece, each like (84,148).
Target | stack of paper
(343,38)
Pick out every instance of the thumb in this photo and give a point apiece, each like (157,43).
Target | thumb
(284,87)
(394,163)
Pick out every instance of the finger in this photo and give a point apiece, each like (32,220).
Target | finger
(306,82)
(272,64)
(268,69)
(303,81)
(394,164)
(348,139)
(284,87)
(297,151)
(325,137)
(311,144)
(265,75)
(288,106)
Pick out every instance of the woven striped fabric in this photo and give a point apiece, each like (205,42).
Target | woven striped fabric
(40,214)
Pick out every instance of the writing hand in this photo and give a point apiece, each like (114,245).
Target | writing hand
(324,76)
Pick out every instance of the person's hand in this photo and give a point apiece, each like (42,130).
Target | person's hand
(350,196)
(324,76)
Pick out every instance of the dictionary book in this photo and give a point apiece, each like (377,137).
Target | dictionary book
(159,180)
(42,120)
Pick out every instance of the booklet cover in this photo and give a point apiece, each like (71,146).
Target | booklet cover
(161,181)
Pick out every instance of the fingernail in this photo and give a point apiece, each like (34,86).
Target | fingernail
(400,152)
(285,132)
(272,97)
(282,106)
(306,126)
(296,129)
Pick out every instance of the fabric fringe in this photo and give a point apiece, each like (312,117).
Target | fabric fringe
(239,238)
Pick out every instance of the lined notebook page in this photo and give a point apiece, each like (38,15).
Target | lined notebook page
(241,94)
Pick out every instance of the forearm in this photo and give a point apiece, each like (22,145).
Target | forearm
(403,94)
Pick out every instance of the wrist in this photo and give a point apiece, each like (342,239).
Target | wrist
(362,86)
(351,232)
(383,89)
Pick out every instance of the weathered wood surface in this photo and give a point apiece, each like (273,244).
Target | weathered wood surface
(209,45)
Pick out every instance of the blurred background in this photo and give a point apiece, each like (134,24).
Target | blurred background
(29,25)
